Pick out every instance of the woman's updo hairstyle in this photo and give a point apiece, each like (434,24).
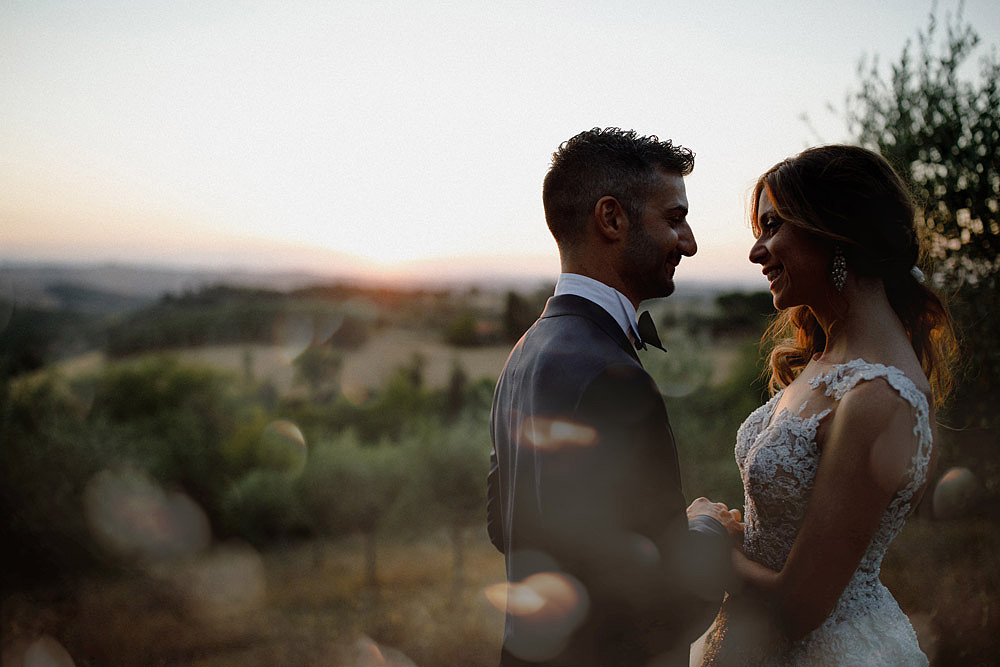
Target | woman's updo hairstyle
(854,198)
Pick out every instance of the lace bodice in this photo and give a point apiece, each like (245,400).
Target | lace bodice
(778,457)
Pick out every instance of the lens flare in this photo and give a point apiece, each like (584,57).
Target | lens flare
(546,608)
(283,447)
(133,518)
(555,434)
(325,326)
(47,652)
(227,581)
(293,333)
(641,550)
(354,390)
(954,494)
(370,654)
(41,652)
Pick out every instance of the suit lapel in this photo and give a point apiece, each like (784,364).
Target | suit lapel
(571,304)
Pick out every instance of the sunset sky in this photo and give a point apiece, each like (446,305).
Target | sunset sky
(384,137)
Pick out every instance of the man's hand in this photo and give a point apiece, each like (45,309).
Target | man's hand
(730,519)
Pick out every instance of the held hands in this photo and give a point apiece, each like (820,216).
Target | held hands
(730,519)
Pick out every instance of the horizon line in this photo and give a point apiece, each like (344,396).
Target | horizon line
(447,277)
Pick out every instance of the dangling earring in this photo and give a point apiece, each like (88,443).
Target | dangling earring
(838,269)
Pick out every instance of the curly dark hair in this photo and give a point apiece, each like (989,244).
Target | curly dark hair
(609,162)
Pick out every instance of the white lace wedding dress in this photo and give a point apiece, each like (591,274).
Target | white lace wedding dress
(778,459)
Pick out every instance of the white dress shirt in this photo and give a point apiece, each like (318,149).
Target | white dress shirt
(608,298)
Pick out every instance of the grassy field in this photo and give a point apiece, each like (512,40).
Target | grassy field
(307,605)
(297,606)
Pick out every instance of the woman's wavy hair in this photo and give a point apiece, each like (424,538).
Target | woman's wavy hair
(854,198)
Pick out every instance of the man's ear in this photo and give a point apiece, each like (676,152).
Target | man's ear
(612,221)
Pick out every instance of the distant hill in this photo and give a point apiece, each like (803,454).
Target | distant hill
(124,286)
(115,287)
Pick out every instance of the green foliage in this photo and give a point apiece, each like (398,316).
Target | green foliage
(401,406)
(226,315)
(942,131)
(400,306)
(683,369)
(175,420)
(34,337)
(457,390)
(347,487)
(461,331)
(255,475)
(82,299)
(705,416)
(318,366)
(264,507)
(705,424)
(240,448)
(519,313)
(742,313)
(260,442)
(351,333)
(448,471)
(47,456)
(213,315)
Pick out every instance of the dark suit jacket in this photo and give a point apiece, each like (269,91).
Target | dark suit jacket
(584,483)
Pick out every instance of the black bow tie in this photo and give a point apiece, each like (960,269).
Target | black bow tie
(647,332)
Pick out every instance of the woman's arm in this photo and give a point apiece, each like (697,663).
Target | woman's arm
(865,459)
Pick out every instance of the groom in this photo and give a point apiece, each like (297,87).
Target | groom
(604,564)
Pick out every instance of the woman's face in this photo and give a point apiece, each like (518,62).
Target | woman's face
(795,261)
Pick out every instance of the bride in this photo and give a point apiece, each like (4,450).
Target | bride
(841,454)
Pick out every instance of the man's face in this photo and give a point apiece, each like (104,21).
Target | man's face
(657,241)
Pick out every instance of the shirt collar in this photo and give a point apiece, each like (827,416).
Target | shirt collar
(605,296)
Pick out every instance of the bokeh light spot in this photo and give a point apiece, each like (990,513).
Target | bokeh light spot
(354,390)
(283,447)
(43,651)
(325,326)
(642,550)
(955,493)
(223,582)
(547,606)
(554,434)
(133,518)
(293,333)
(47,652)
(370,654)
(496,594)
(551,595)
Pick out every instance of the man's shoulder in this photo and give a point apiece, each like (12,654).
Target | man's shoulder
(575,339)
(580,322)
(572,352)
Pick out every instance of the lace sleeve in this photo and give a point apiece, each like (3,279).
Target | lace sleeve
(847,376)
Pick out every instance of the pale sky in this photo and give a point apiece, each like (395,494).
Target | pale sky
(385,135)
